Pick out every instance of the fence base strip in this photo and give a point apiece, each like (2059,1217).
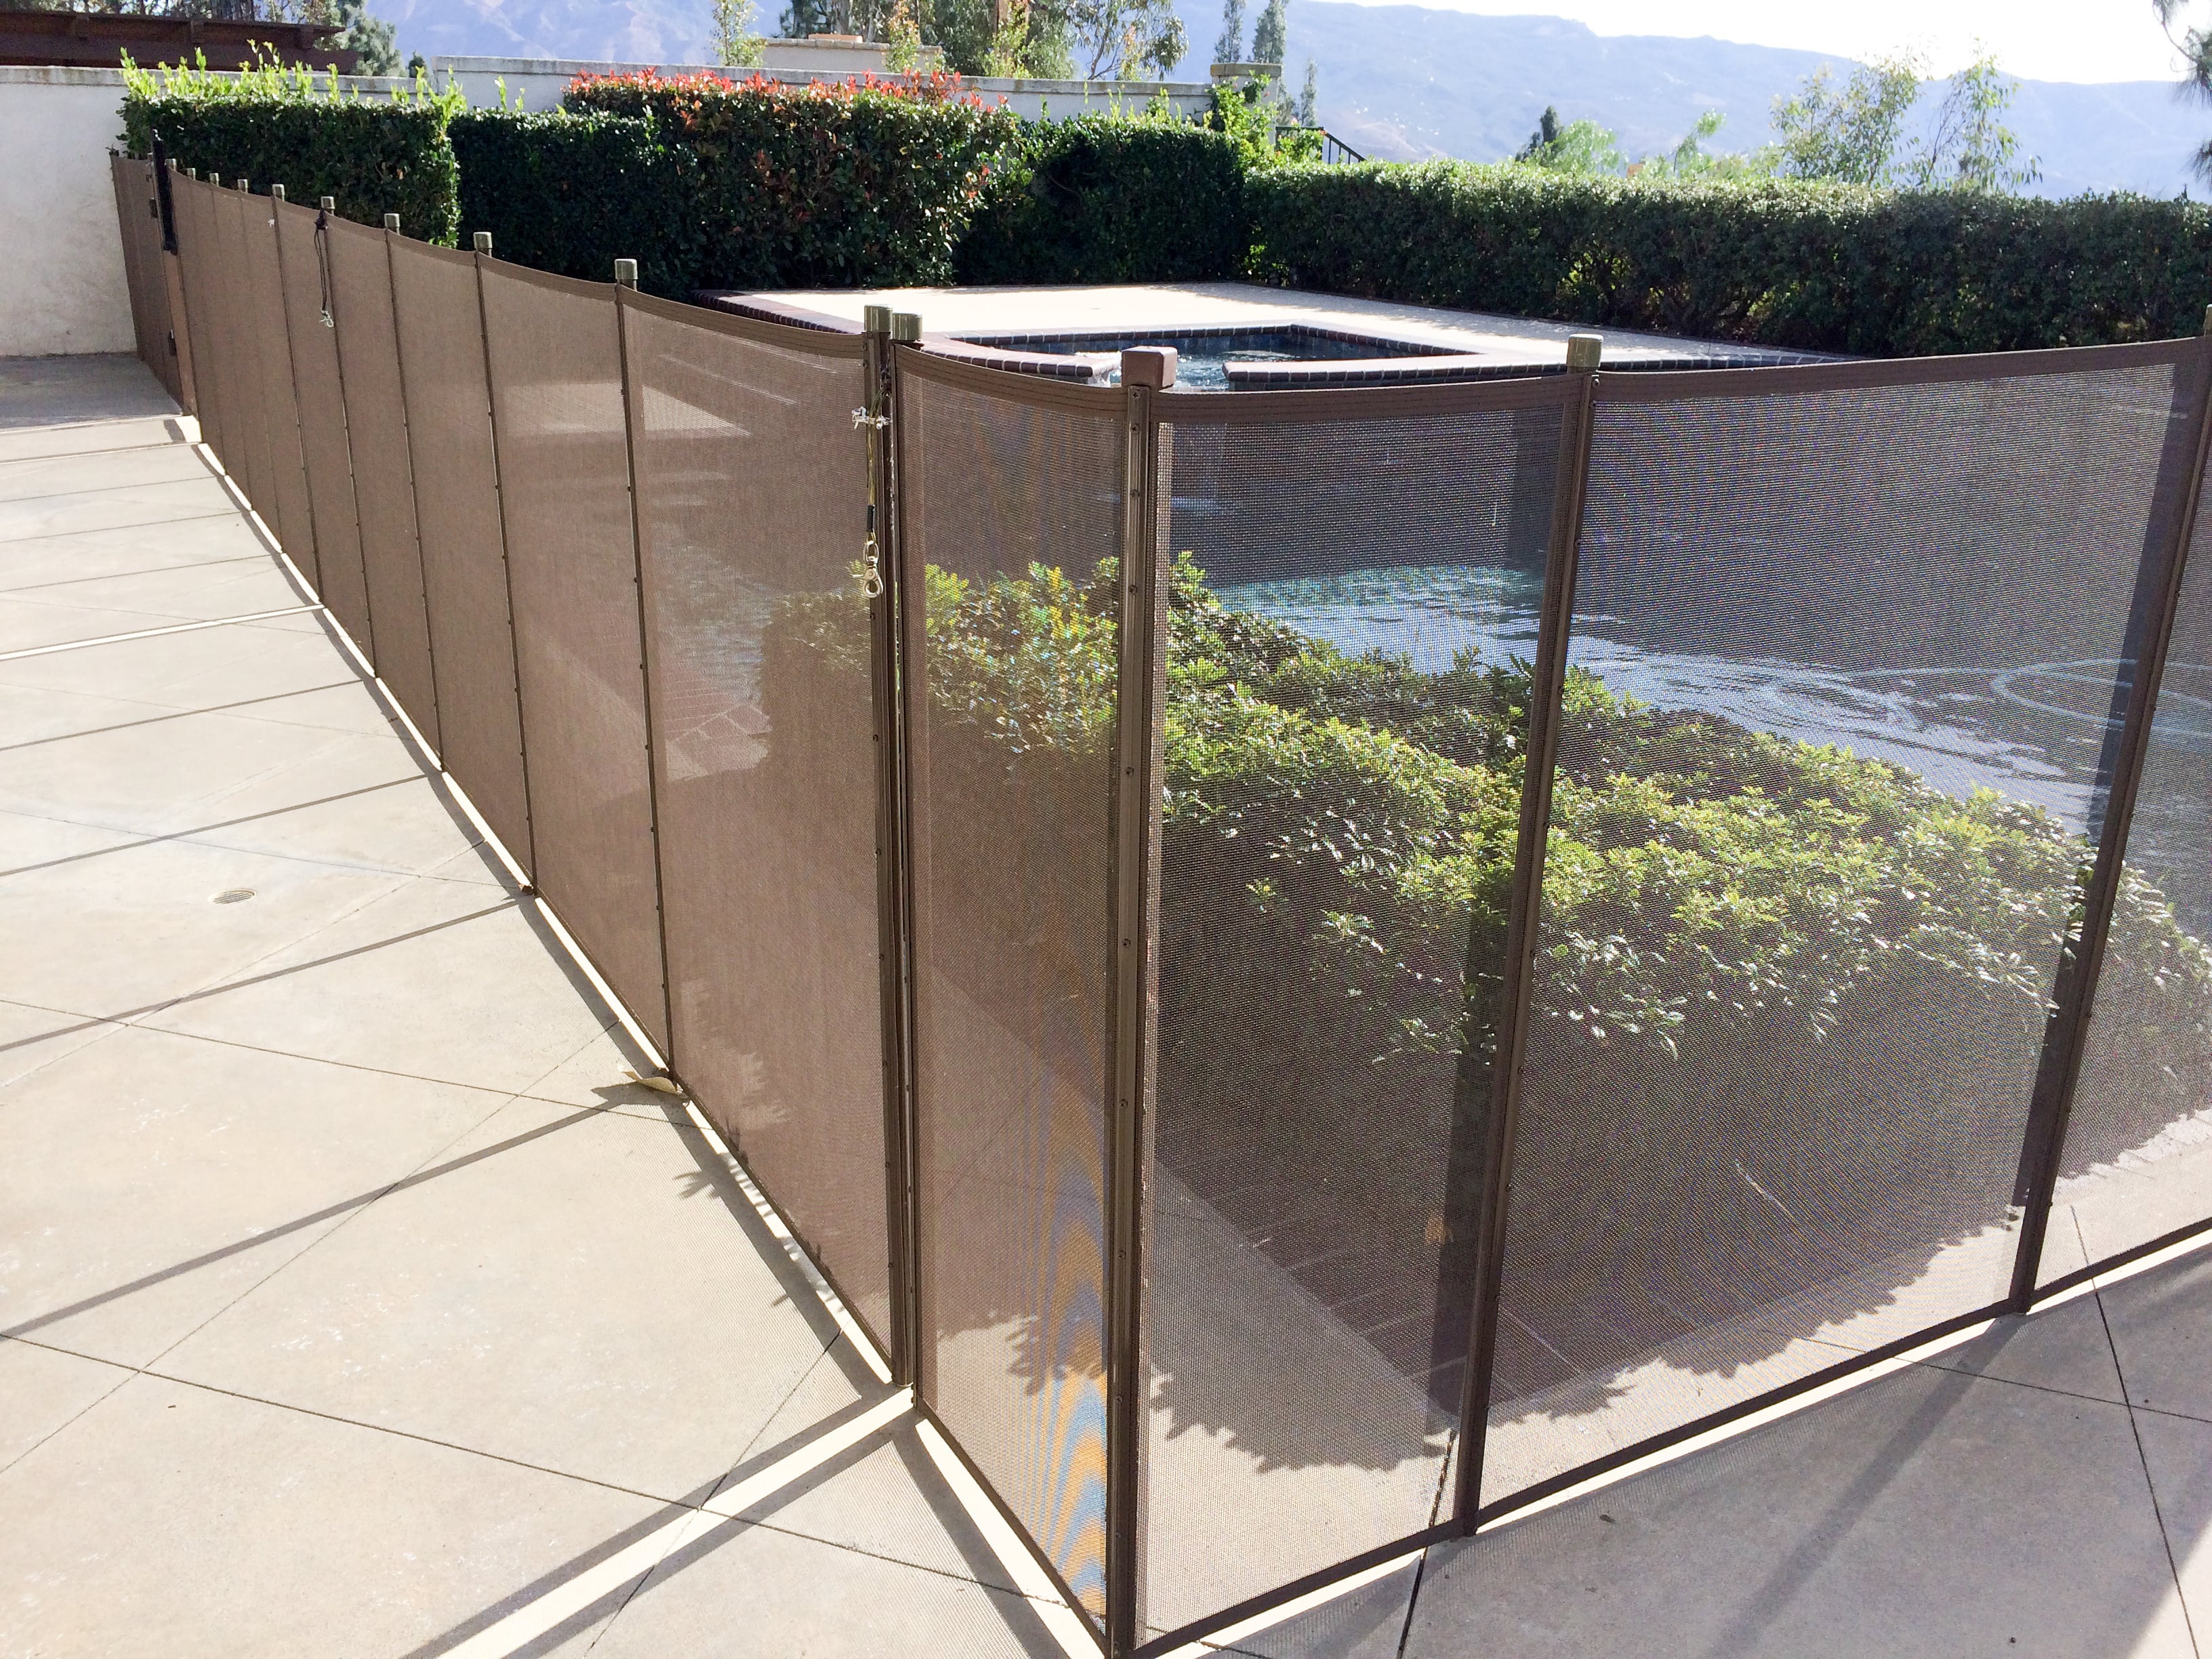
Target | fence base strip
(1270,1608)
(2113,1270)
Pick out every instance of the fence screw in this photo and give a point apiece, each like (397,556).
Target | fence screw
(392,222)
(626,273)
(483,241)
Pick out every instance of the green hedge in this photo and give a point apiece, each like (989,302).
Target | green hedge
(821,185)
(375,157)
(574,193)
(1823,267)
(1099,200)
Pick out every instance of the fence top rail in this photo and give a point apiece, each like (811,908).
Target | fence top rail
(784,336)
(577,287)
(1365,403)
(1034,391)
(407,247)
(1676,385)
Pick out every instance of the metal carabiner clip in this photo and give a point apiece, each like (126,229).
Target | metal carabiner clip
(872,572)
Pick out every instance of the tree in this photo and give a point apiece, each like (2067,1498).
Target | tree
(1230,47)
(1576,147)
(1124,40)
(372,41)
(1971,147)
(1848,133)
(1309,98)
(735,45)
(1269,34)
(2195,45)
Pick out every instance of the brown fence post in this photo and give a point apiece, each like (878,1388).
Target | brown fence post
(276,200)
(1546,689)
(2073,1002)
(894,926)
(632,400)
(1138,680)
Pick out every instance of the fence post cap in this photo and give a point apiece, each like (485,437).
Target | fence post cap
(626,273)
(906,326)
(276,192)
(2208,320)
(392,222)
(1149,366)
(875,319)
(329,204)
(216,179)
(483,241)
(1583,350)
(239,185)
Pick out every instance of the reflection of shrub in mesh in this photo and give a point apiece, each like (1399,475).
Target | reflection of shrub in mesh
(1799,994)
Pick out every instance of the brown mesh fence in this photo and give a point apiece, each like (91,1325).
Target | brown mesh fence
(752,482)
(246,415)
(142,266)
(1011,510)
(1823,789)
(440,332)
(2137,1164)
(341,580)
(384,490)
(1355,576)
(203,271)
(557,386)
(287,514)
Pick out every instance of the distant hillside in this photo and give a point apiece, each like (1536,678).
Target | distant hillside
(1404,81)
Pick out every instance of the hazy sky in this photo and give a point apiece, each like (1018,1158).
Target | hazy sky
(2038,39)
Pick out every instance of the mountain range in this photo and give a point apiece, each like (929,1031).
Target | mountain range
(1406,83)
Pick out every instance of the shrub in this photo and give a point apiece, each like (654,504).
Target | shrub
(1812,266)
(271,125)
(819,185)
(572,193)
(1107,199)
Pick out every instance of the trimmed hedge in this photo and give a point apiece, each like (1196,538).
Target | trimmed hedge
(1821,267)
(375,158)
(574,193)
(1102,200)
(868,182)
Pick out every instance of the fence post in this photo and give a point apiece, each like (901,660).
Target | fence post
(894,929)
(1547,682)
(391,223)
(634,401)
(2150,630)
(407,427)
(528,851)
(276,202)
(1141,670)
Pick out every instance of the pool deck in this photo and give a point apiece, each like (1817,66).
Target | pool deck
(1007,315)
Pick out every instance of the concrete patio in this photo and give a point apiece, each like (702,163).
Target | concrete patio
(353,1302)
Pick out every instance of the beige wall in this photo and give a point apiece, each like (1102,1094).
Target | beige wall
(65,290)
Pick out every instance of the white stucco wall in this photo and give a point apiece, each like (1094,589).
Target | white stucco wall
(64,291)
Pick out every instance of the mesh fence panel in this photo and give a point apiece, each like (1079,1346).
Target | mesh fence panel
(2138,1155)
(440,330)
(1806,894)
(199,252)
(751,479)
(383,488)
(248,410)
(287,475)
(133,181)
(564,475)
(1358,573)
(341,581)
(1008,510)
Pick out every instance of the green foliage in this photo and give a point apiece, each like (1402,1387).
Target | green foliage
(275,125)
(541,185)
(2195,46)
(1027,41)
(1271,35)
(374,41)
(735,45)
(1228,45)
(1111,199)
(1849,134)
(1972,148)
(1581,147)
(1810,266)
(869,182)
